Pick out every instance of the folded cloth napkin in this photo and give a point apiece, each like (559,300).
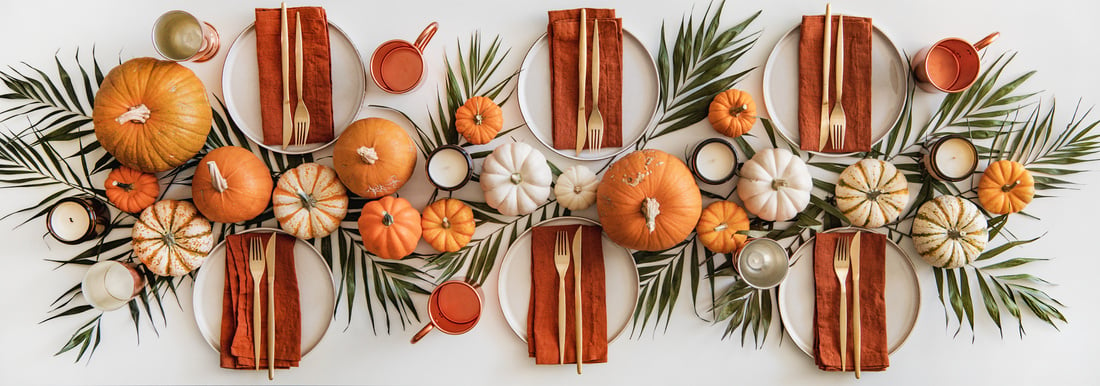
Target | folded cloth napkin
(857,82)
(563,30)
(316,76)
(872,300)
(542,315)
(237,328)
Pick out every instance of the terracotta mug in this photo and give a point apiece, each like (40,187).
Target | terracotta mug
(397,66)
(951,65)
(454,308)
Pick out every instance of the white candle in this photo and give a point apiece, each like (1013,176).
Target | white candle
(69,221)
(715,161)
(447,168)
(955,158)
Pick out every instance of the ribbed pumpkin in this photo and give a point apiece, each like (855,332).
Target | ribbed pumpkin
(479,120)
(171,238)
(309,201)
(374,157)
(131,190)
(231,185)
(515,179)
(719,224)
(576,188)
(151,115)
(390,227)
(732,113)
(775,185)
(949,232)
(1006,187)
(648,201)
(448,225)
(872,193)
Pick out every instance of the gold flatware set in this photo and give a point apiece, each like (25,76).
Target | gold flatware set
(260,260)
(296,126)
(845,262)
(834,126)
(589,129)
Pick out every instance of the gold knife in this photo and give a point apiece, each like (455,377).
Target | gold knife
(577,296)
(284,37)
(823,138)
(855,298)
(582,126)
(270,255)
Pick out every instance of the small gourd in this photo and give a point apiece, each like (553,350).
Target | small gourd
(949,232)
(130,190)
(775,185)
(732,113)
(390,227)
(719,224)
(516,179)
(231,185)
(479,120)
(576,188)
(448,225)
(1006,187)
(872,193)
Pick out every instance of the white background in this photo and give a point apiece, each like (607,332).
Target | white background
(1057,38)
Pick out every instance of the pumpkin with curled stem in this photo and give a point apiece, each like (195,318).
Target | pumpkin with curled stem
(648,201)
(390,227)
(576,188)
(775,185)
(309,201)
(374,157)
(516,179)
(732,113)
(130,190)
(479,120)
(448,225)
(949,232)
(719,224)
(1006,187)
(231,185)
(872,193)
(172,238)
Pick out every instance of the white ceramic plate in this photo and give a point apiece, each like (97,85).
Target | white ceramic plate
(889,84)
(640,88)
(796,296)
(241,87)
(315,283)
(514,286)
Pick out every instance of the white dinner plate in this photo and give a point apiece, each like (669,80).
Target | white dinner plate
(241,87)
(316,288)
(796,296)
(889,85)
(639,100)
(620,274)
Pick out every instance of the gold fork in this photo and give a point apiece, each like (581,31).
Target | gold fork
(256,265)
(561,262)
(837,119)
(301,114)
(595,121)
(841,263)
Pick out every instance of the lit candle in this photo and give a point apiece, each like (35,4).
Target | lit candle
(952,158)
(74,220)
(179,36)
(713,161)
(449,167)
(108,285)
(762,263)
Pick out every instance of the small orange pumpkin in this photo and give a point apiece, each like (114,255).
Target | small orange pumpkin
(648,201)
(374,157)
(719,224)
(131,190)
(390,227)
(732,112)
(1006,187)
(448,225)
(231,185)
(479,120)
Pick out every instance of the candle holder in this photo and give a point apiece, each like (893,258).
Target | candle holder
(762,263)
(180,36)
(951,158)
(74,220)
(449,167)
(713,161)
(109,285)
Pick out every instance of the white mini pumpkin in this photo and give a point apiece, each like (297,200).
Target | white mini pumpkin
(171,238)
(516,179)
(576,188)
(949,232)
(775,185)
(872,193)
(309,201)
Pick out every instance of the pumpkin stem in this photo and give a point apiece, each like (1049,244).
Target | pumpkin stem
(517,178)
(721,227)
(446,223)
(216,179)
(308,202)
(387,218)
(777,184)
(477,119)
(873,195)
(127,187)
(136,114)
(650,209)
(367,154)
(577,189)
(1008,188)
(735,111)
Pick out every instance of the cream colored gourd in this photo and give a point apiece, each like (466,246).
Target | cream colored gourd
(949,232)
(775,185)
(309,201)
(872,193)
(576,188)
(516,179)
(171,238)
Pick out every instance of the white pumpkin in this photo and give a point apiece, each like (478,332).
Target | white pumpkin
(949,232)
(171,238)
(309,201)
(516,179)
(872,193)
(775,185)
(576,188)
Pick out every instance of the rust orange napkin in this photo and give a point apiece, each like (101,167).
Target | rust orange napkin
(857,82)
(563,32)
(542,315)
(316,76)
(872,299)
(237,328)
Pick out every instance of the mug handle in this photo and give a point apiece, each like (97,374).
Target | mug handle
(986,41)
(426,36)
(423,331)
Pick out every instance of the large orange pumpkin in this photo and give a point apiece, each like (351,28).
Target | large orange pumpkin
(448,225)
(390,227)
(374,157)
(648,201)
(732,112)
(479,120)
(719,224)
(1006,187)
(131,190)
(231,185)
(151,115)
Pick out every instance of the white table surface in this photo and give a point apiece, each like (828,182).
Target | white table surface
(1056,37)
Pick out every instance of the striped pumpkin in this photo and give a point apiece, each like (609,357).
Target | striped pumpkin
(872,193)
(949,232)
(171,238)
(309,201)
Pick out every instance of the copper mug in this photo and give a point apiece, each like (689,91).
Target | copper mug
(397,66)
(951,65)
(454,307)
